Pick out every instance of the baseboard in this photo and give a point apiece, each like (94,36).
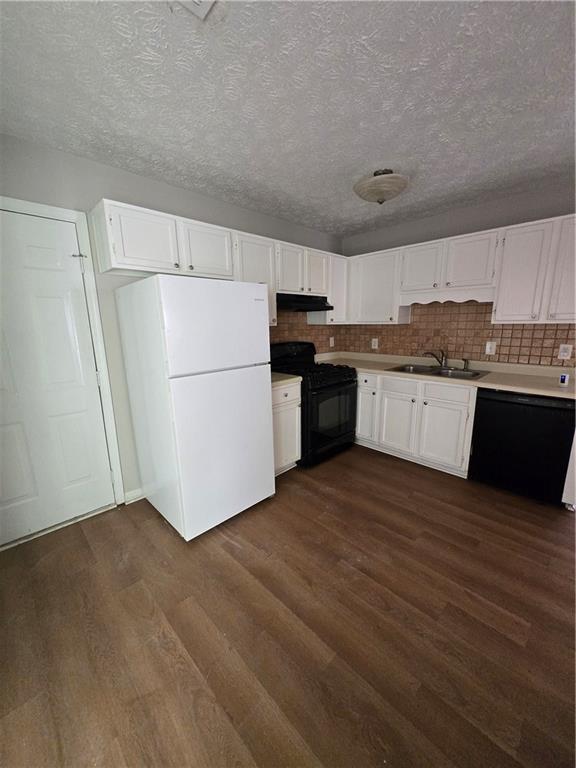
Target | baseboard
(135,495)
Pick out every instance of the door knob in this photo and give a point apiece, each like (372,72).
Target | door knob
(190,266)
(434,285)
(413,400)
(448,283)
(177,265)
(425,402)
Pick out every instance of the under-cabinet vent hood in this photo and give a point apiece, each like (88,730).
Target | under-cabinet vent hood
(296,302)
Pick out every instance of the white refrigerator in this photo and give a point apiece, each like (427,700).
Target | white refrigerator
(196,354)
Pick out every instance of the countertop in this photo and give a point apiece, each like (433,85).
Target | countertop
(279,379)
(529,384)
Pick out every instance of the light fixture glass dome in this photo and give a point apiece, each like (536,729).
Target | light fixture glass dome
(380,186)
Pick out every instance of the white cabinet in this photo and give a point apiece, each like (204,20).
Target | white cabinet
(469,260)
(255,262)
(135,239)
(521,273)
(205,250)
(422,266)
(286,416)
(373,289)
(366,413)
(317,272)
(442,432)
(420,420)
(291,268)
(562,304)
(397,421)
(337,294)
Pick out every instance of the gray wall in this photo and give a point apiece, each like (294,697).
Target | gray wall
(42,175)
(500,212)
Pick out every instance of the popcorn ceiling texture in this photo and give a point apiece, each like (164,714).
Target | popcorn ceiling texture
(460,329)
(280,106)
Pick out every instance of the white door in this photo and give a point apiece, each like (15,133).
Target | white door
(521,273)
(338,292)
(422,266)
(397,421)
(223,426)
(286,421)
(374,287)
(290,271)
(470,260)
(54,462)
(366,413)
(317,266)
(205,251)
(213,325)
(562,299)
(442,432)
(144,240)
(255,262)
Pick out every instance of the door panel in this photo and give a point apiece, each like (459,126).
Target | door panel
(442,432)
(562,299)
(470,260)
(144,240)
(422,267)
(205,251)
(366,414)
(318,265)
(54,463)
(373,286)
(290,272)
(338,293)
(256,263)
(397,421)
(287,431)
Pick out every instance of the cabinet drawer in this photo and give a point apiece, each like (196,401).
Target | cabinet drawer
(450,392)
(368,380)
(397,384)
(286,394)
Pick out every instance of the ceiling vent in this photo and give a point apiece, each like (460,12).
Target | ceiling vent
(380,186)
(199,8)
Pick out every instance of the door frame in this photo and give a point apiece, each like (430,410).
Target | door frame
(78,218)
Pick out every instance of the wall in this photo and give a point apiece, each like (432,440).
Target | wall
(501,212)
(42,175)
(462,330)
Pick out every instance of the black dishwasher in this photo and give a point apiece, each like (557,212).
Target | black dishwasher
(522,443)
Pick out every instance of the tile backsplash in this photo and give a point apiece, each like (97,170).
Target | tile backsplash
(461,329)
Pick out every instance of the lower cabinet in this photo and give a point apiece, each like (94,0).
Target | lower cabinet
(422,421)
(286,416)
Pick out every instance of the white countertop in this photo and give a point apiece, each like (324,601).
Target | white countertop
(530,384)
(279,379)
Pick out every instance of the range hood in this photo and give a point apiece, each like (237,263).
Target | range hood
(301,302)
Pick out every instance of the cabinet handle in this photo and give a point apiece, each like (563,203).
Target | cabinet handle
(190,266)
(390,318)
(552,315)
(309,289)
(365,381)
(413,400)
(425,402)
(373,393)
(177,265)
(533,317)
(331,319)
(434,285)
(285,394)
(273,319)
(448,283)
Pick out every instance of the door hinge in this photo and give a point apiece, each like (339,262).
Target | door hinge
(98,379)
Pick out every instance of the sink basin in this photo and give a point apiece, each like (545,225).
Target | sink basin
(458,373)
(416,368)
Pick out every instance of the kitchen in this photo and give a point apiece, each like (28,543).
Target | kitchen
(381,527)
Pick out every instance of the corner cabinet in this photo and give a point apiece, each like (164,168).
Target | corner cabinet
(426,422)
(255,262)
(286,420)
(302,270)
(337,294)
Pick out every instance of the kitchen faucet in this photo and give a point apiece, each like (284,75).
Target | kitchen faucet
(441,359)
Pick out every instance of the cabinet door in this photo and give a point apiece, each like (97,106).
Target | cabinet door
(562,299)
(470,260)
(366,414)
(422,266)
(206,250)
(397,421)
(317,268)
(521,273)
(255,262)
(290,268)
(143,240)
(338,291)
(286,426)
(442,432)
(374,287)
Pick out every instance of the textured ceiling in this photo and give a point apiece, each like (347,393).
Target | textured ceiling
(281,106)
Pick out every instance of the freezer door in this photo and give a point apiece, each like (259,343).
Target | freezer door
(223,424)
(212,325)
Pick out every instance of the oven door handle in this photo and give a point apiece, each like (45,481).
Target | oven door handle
(343,386)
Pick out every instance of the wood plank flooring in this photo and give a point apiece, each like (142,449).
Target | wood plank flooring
(374,613)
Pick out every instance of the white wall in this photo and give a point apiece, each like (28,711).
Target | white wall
(43,175)
(515,209)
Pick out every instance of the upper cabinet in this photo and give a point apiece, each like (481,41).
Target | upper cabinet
(373,289)
(255,262)
(317,272)
(561,307)
(300,270)
(205,250)
(457,269)
(337,294)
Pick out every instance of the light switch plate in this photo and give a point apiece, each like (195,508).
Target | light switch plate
(565,352)
(374,344)
(331,341)
(490,347)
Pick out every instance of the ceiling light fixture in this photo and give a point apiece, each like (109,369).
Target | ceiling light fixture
(380,186)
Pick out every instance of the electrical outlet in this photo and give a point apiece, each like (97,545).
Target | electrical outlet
(374,344)
(565,352)
(331,341)
(490,347)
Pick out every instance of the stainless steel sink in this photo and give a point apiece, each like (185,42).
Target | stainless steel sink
(435,370)
(416,368)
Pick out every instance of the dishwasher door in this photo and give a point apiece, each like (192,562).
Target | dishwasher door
(522,443)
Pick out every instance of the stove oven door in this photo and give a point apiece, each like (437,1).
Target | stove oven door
(329,420)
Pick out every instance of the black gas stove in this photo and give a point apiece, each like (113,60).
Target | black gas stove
(328,399)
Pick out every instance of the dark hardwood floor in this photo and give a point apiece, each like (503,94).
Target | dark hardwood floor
(374,613)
